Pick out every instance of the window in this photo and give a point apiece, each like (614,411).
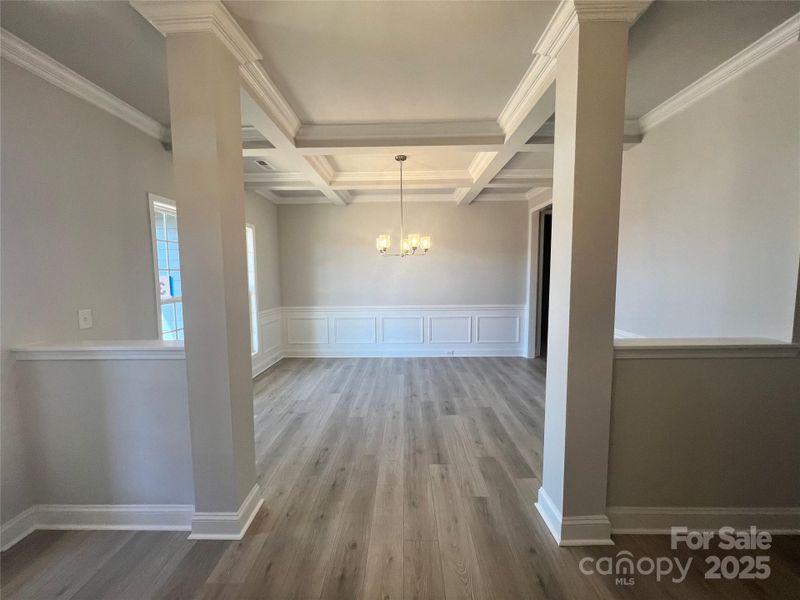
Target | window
(166,253)
(250,236)
(167,268)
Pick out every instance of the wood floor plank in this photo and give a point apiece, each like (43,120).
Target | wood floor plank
(382,479)
(461,574)
(422,567)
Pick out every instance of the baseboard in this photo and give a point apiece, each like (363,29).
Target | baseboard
(18,528)
(144,517)
(416,352)
(264,361)
(227,525)
(659,519)
(584,530)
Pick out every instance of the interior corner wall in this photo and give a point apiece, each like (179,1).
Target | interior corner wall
(263,216)
(328,255)
(75,234)
(710,213)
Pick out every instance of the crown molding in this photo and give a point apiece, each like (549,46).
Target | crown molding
(40,64)
(558,29)
(541,71)
(270,98)
(479,163)
(782,36)
(524,174)
(199,16)
(487,196)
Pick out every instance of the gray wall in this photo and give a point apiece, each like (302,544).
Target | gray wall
(75,234)
(710,213)
(705,433)
(108,431)
(263,215)
(328,255)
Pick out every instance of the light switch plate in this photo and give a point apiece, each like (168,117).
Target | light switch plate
(85,318)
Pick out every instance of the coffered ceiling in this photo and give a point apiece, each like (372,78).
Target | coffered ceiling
(363,81)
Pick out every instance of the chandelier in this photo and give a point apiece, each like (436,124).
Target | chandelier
(414,244)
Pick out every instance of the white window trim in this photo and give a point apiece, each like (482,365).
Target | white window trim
(154,199)
(254,327)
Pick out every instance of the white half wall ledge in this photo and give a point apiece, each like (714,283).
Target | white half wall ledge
(127,517)
(102,350)
(227,525)
(686,348)
(584,530)
(645,520)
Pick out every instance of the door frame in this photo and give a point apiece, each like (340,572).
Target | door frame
(534,275)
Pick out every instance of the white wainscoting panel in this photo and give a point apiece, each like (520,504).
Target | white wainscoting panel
(270,350)
(463,330)
(403,330)
(450,330)
(355,330)
(305,330)
(493,329)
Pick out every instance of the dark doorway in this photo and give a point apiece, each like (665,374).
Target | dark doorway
(545,235)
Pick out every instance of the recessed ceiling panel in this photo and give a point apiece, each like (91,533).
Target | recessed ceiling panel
(395,61)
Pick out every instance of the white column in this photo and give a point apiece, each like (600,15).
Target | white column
(204,91)
(591,70)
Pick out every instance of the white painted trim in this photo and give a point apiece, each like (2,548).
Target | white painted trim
(134,517)
(227,525)
(102,350)
(270,98)
(419,324)
(541,71)
(621,334)
(203,16)
(782,36)
(365,135)
(18,528)
(269,351)
(650,348)
(659,519)
(40,64)
(584,530)
(549,513)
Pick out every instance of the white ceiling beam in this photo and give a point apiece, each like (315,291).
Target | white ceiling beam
(354,180)
(255,99)
(487,165)
(360,137)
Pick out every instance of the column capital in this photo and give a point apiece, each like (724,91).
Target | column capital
(197,16)
(571,12)
(609,10)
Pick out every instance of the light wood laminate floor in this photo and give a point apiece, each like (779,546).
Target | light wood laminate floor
(383,479)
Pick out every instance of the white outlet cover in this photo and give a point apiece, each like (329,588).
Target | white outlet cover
(85,318)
